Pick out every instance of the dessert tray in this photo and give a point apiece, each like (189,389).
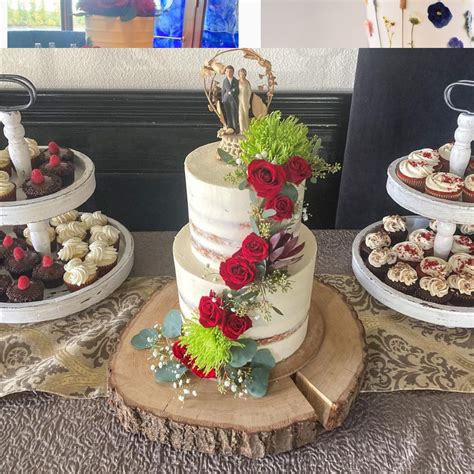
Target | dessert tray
(36,214)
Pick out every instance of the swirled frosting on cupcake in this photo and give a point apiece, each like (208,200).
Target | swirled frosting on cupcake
(376,240)
(94,219)
(106,233)
(462,244)
(4,158)
(435,267)
(408,252)
(394,224)
(73,248)
(467,229)
(445,151)
(79,273)
(6,186)
(469,183)
(423,238)
(32,148)
(434,225)
(101,254)
(403,273)
(426,155)
(415,168)
(444,183)
(27,235)
(70,230)
(464,283)
(462,263)
(382,256)
(437,287)
(69,216)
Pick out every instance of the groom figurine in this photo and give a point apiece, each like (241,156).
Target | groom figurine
(230,98)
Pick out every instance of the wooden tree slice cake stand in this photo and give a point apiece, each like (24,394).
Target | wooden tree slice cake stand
(308,393)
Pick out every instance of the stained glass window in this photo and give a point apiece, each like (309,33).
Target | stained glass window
(219,29)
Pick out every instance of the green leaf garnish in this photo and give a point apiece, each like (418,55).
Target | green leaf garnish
(145,339)
(172,324)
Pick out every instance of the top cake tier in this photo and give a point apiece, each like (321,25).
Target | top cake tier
(218,210)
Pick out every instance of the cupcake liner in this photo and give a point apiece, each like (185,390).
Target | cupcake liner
(399,286)
(459,299)
(415,183)
(72,288)
(447,196)
(427,296)
(379,272)
(468,196)
(103,270)
(445,164)
(11,196)
(7,168)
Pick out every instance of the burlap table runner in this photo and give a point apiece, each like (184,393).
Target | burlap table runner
(69,356)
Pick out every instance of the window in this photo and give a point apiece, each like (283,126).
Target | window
(34,14)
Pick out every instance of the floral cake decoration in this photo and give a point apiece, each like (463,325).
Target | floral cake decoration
(277,159)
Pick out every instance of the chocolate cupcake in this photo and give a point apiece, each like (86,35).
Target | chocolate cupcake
(434,290)
(462,289)
(38,185)
(25,291)
(433,267)
(5,282)
(396,228)
(425,239)
(380,260)
(374,240)
(54,149)
(6,248)
(402,277)
(21,262)
(49,272)
(64,170)
(7,188)
(409,252)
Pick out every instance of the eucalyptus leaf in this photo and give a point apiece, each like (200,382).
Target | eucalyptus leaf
(172,324)
(290,191)
(313,180)
(257,387)
(226,157)
(254,226)
(145,339)
(248,296)
(277,311)
(263,358)
(269,213)
(169,371)
(129,14)
(243,185)
(253,197)
(244,354)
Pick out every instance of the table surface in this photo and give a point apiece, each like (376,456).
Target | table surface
(399,431)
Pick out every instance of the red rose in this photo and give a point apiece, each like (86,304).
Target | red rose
(254,248)
(237,272)
(200,373)
(234,326)
(283,206)
(267,179)
(297,170)
(179,352)
(211,311)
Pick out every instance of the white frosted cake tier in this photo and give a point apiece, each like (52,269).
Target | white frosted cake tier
(283,335)
(218,210)
(391,25)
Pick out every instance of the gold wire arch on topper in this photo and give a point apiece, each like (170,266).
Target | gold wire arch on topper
(214,67)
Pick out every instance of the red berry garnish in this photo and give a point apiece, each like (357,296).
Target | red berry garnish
(54,161)
(37,177)
(7,241)
(47,261)
(23,282)
(18,254)
(53,148)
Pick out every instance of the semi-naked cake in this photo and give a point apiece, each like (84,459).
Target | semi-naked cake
(420,23)
(219,221)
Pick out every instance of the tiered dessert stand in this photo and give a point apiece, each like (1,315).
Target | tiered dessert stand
(447,213)
(37,212)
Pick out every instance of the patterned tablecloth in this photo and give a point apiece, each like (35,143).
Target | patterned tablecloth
(69,356)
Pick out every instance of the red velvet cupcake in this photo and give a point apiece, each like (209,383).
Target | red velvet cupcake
(433,267)
(414,173)
(445,155)
(444,186)
(425,239)
(409,253)
(468,191)
(429,156)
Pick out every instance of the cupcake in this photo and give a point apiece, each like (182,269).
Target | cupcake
(51,234)
(7,246)
(5,282)
(107,234)
(402,277)
(396,228)
(54,149)
(79,274)
(39,185)
(64,170)
(414,173)
(445,155)
(5,162)
(21,262)
(409,253)
(427,155)
(374,240)
(94,219)
(73,248)
(434,290)
(433,267)
(444,186)
(468,191)
(104,256)
(380,260)
(470,167)
(462,289)
(462,263)
(466,229)
(49,272)
(65,218)
(462,244)
(25,291)
(70,230)
(425,239)
(32,148)
(433,225)
(7,188)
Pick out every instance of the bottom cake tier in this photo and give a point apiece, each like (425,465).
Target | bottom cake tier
(283,334)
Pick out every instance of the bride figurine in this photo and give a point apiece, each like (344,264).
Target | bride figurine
(245,94)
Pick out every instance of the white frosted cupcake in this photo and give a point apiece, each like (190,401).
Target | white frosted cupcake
(445,155)
(51,234)
(106,234)
(70,230)
(7,188)
(73,248)
(94,219)
(65,218)
(103,255)
(428,155)
(79,274)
